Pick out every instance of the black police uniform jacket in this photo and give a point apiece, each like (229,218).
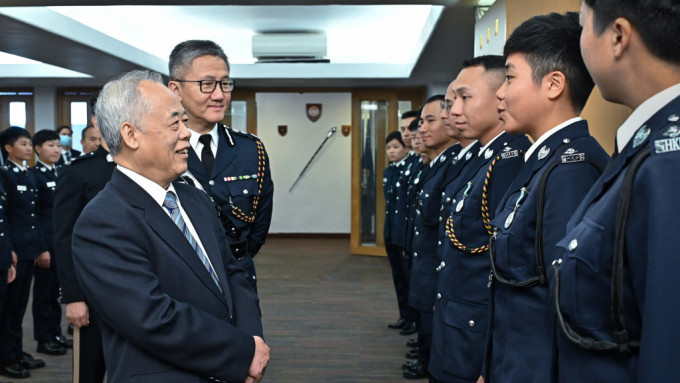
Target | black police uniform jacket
(461,298)
(163,318)
(650,263)
(232,186)
(46,181)
(5,238)
(520,339)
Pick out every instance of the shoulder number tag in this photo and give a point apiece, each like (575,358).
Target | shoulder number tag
(21,188)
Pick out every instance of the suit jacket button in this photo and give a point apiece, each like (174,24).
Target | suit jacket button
(211,183)
(439,296)
(471,323)
(573,245)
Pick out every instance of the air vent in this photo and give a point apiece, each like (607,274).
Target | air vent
(290,47)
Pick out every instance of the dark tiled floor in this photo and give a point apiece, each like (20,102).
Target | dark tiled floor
(324,310)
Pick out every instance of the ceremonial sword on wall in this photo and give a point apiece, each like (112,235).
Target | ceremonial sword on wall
(330,133)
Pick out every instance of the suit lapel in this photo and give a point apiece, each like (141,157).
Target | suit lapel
(164,228)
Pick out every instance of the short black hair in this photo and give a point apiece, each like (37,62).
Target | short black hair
(552,43)
(413,126)
(11,135)
(436,97)
(42,136)
(410,114)
(494,65)
(85,130)
(395,136)
(655,20)
(60,128)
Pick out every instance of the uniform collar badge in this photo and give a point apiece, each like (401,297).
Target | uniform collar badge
(468,156)
(442,158)
(641,136)
(488,153)
(543,152)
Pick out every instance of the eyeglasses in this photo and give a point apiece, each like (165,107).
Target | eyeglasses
(208,86)
(447,106)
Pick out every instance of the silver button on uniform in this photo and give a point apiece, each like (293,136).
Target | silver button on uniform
(573,245)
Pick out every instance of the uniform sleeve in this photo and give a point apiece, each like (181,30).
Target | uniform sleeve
(263,218)
(68,203)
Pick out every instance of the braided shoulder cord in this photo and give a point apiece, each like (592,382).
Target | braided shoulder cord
(260,181)
(450,230)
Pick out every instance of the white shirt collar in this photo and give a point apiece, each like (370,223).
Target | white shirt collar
(155,190)
(193,140)
(464,150)
(51,167)
(547,135)
(483,148)
(643,113)
(21,167)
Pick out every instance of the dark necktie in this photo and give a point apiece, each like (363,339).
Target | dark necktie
(170,204)
(67,156)
(207,157)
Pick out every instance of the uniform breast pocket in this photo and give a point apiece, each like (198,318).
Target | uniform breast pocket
(583,291)
(514,255)
(242,193)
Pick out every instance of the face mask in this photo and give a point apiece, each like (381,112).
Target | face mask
(65,140)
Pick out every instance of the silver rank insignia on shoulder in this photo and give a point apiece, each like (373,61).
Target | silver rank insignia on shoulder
(670,144)
(488,153)
(468,156)
(641,136)
(543,152)
(571,155)
(673,118)
(566,140)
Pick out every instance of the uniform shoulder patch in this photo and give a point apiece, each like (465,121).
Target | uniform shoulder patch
(509,152)
(669,141)
(244,134)
(83,157)
(572,155)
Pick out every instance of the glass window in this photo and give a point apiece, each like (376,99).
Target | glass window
(17,114)
(79,120)
(239,116)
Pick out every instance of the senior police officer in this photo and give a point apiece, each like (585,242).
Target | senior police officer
(622,242)
(232,166)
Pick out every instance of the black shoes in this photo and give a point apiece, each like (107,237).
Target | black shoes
(64,341)
(398,324)
(14,370)
(30,363)
(416,371)
(412,342)
(51,347)
(409,328)
(413,354)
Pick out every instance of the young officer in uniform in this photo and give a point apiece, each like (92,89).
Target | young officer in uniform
(617,273)
(397,153)
(232,166)
(46,306)
(462,296)
(8,258)
(29,245)
(77,185)
(66,139)
(425,258)
(547,85)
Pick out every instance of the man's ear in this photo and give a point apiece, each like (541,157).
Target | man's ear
(621,31)
(129,133)
(174,87)
(556,84)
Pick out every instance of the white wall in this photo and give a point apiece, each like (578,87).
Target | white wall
(45,103)
(321,200)
(495,43)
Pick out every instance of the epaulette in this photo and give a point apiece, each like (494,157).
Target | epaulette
(244,134)
(667,139)
(84,157)
(509,152)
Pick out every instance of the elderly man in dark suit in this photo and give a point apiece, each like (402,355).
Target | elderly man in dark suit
(152,256)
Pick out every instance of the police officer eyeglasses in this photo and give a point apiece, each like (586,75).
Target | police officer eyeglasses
(209,86)
(446,105)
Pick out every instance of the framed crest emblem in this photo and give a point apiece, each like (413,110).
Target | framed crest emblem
(314,112)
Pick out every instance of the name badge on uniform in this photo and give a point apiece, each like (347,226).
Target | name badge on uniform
(51,184)
(21,188)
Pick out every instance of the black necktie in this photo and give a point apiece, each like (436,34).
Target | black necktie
(207,156)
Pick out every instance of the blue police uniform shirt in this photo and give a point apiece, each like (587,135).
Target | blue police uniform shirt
(520,338)
(425,258)
(22,211)
(461,295)
(650,305)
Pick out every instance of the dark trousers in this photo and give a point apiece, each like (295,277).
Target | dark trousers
(425,337)
(46,307)
(14,308)
(3,289)
(88,355)
(401,278)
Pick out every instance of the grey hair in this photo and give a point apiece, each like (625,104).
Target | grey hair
(120,101)
(184,53)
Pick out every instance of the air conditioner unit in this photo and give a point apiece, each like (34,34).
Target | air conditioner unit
(289,47)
